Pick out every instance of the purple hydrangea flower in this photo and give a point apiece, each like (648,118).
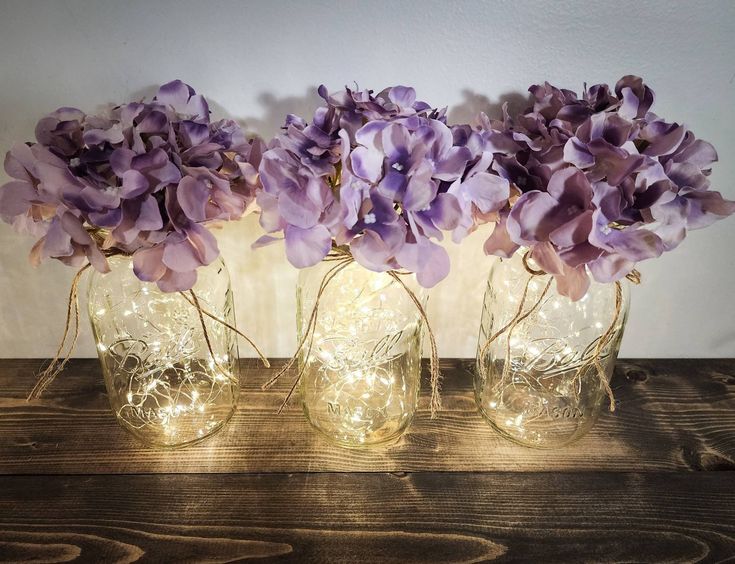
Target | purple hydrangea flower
(372,172)
(143,180)
(595,184)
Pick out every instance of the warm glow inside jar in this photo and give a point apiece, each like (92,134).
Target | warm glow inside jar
(536,383)
(164,383)
(362,368)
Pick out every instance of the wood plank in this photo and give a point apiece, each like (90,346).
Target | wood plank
(673,415)
(441,517)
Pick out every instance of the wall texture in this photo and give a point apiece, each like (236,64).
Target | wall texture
(258,60)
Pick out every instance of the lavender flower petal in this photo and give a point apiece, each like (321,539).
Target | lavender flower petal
(306,247)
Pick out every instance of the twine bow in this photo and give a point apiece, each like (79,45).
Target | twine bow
(58,363)
(342,259)
(596,358)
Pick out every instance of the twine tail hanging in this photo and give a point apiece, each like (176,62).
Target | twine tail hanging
(434,372)
(58,363)
(343,259)
(602,342)
(194,301)
(516,319)
(634,277)
(514,323)
(308,332)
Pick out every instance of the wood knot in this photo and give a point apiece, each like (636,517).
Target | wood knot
(30,444)
(636,375)
(706,461)
(727,380)
(714,462)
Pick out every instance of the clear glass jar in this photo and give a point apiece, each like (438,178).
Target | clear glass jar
(542,389)
(361,375)
(163,383)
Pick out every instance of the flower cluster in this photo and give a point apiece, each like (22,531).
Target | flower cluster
(595,184)
(141,181)
(371,172)
(591,185)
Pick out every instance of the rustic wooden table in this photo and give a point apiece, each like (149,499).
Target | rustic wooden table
(655,481)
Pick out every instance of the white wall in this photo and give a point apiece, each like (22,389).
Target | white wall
(258,60)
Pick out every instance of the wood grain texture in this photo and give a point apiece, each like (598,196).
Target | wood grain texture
(437,517)
(672,415)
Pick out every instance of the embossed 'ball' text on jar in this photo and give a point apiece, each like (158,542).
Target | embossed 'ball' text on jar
(361,369)
(538,380)
(170,368)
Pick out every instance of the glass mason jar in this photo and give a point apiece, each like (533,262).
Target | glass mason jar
(164,385)
(361,370)
(537,383)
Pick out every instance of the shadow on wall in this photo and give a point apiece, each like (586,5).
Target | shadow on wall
(144,94)
(276,109)
(473,103)
(268,125)
(270,122)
